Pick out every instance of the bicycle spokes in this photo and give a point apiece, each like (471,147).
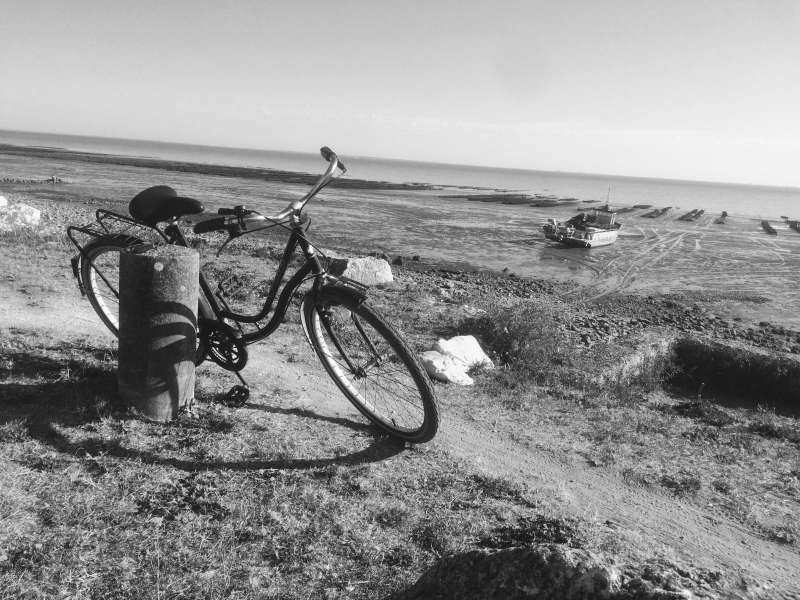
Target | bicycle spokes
(361,353)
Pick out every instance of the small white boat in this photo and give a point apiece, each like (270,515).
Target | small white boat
(584,231)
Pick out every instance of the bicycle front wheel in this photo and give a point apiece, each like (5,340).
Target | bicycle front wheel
(373,366)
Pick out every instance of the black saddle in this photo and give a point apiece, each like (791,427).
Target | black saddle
(161,203)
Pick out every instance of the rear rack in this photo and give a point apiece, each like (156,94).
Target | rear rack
(106,223)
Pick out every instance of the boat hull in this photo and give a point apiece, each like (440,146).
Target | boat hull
(575,238)
(604,238)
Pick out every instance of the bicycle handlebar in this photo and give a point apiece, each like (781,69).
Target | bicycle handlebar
(237,219)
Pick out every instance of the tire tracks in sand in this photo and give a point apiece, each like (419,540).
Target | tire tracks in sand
(619,272)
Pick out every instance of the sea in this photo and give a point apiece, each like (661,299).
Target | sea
(756,201)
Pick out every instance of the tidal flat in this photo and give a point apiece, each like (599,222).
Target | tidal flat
(744,273)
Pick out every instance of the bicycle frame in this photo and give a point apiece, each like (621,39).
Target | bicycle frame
(312,267)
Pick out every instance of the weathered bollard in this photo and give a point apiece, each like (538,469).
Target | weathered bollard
(157,329)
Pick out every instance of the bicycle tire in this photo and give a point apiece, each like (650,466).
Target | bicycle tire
(401,398)
(100,279)
(100,276)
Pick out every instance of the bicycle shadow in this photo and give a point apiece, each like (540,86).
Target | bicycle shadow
(310,414)
(49,396)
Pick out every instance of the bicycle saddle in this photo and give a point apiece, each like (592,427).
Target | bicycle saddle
(160,203)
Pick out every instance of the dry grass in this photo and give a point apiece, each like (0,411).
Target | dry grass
(262,502)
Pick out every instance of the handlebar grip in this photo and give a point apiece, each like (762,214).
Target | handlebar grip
(329,155)
(215,224)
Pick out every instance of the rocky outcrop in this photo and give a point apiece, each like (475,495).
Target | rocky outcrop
(544,572)
(53,180)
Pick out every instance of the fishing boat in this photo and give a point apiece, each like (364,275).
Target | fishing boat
(584,231)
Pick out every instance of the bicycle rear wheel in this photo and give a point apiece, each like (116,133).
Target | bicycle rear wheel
(100,277)
(373,366)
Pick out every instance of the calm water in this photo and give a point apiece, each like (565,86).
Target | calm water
(755,201)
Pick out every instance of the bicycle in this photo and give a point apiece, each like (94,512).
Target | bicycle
(365,356)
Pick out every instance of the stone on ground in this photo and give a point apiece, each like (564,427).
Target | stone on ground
(443,367)
(450,359)
(17,216)
(367,270)
(3,202)
(466,349)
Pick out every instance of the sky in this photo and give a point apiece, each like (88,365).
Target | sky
(705,90)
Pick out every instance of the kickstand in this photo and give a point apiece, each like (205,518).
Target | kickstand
(239,375)
(238,394)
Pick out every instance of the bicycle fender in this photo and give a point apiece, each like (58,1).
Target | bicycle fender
(343,291)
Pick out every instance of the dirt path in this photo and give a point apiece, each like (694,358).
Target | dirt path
(695,536)
(643,517)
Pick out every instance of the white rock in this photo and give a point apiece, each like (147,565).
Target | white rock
(445,368)
(367,270)
(466,349)
(17,216)
(3,202)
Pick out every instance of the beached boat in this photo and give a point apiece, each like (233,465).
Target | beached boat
(692,215)
(768,228)
(584,231)
(657,212)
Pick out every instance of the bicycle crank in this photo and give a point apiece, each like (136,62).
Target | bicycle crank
(224,345)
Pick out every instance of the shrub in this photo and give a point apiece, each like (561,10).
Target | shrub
(527,338)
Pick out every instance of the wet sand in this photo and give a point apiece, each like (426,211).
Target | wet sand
(743,272)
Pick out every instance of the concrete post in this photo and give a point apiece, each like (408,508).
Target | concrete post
(157,329)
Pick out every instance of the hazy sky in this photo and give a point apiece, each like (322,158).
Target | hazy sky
(667,88)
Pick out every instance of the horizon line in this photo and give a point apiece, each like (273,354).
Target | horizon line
(418,162)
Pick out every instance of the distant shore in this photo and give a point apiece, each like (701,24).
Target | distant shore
(276,175)
(620,191)
(452,191)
